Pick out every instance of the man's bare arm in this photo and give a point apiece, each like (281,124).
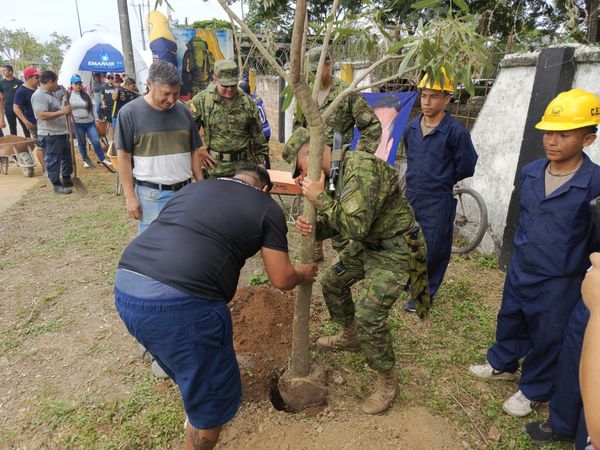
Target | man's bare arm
(132,203)
(19,112)
(282,274)
(197,165)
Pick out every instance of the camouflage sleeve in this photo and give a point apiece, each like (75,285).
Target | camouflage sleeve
(196,107)
(353,214)
(261,147)
(367,123)
(323,229)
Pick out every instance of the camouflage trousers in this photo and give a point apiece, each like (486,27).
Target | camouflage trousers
(382,275)
(225,168)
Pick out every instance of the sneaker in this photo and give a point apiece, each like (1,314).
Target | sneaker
(518,405)
(59,189)
(410,306)
(88,164)
(157,371)
(106,162)
(67,182)
(540,432)
(487,372)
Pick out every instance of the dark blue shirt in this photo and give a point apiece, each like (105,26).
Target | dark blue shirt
(439,160)
(8,89)
(23,101)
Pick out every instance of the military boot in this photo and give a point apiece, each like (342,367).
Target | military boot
(385,392)
(346,340)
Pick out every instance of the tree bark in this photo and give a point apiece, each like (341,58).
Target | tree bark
(126,38)
(592,34)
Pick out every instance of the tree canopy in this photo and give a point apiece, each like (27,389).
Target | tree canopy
(20,49)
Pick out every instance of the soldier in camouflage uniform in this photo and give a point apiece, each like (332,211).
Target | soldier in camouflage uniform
(354,110)
(386,254)
(232,128)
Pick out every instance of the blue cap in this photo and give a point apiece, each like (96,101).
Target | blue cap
(75,79)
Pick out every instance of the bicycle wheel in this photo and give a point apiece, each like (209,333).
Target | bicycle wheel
(470,222)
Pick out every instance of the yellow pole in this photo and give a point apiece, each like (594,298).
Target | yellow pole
(252,80)
(347,74)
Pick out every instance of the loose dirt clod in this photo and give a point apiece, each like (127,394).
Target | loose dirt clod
(262,337)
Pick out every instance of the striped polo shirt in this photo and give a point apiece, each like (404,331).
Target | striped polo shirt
(160,141)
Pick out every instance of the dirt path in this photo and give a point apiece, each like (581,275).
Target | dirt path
(14,185)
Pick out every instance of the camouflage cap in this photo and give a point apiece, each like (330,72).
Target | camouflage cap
(312,58)
(226,70)
(293,146)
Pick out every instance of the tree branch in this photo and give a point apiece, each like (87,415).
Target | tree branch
(264,52)
(317,84)
(353,86)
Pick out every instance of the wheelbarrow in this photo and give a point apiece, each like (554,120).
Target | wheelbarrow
(17,149)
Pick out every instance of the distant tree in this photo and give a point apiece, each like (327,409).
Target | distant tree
(20,48)
(212,24)
(54,51)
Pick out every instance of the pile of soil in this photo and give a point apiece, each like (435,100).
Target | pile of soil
(262,336)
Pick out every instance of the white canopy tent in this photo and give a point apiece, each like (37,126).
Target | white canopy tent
(99,52)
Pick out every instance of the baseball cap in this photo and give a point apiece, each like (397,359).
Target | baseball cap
(75,79)
(293,145)
(226,70)
(30,72)
(312,58)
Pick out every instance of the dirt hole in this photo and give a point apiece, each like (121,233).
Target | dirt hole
(275,396)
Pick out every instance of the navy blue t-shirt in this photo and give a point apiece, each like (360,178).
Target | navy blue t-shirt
(203,236)
(23,101)
(8,89)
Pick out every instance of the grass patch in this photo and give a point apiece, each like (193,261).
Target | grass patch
(150,417)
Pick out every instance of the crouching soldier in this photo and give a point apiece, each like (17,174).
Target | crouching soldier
(386,250)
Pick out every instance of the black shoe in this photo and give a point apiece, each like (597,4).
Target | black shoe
(59,189)
(540,432)
(67,182)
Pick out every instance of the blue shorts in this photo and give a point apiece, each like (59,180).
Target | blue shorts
(190,338)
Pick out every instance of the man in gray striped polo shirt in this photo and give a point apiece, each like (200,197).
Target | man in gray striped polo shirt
(157,145)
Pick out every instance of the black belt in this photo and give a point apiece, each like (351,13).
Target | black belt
(229,157)
(163,187)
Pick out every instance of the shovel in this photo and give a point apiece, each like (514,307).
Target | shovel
(77,183)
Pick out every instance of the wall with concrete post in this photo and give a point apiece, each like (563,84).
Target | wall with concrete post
(498,131)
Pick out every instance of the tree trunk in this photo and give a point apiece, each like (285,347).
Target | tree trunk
(300,357)
(592,34)
(126,39)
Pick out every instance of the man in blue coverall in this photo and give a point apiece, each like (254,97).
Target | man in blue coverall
(551,246)
(566,421)
(440,154)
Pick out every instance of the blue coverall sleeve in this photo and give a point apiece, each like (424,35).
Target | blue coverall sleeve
(465,156)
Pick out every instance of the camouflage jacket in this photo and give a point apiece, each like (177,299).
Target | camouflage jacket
(354,110)
(368,208)
(229,129)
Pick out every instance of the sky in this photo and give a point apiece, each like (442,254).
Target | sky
(42,17)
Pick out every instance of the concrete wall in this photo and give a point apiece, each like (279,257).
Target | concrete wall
(267,87)
(498,132)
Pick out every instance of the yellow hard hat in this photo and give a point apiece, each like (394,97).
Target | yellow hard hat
(436,86)
(570,110)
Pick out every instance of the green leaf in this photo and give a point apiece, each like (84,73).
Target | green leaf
(425,4)
(288,95)
(461,4)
